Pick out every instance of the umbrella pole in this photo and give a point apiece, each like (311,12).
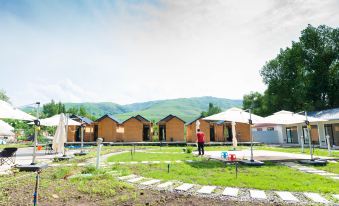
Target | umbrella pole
(250,122)
(309,135)
(82,137)
(37,126)
(66,132)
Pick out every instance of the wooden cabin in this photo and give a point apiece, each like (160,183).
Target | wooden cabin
(191,130)
(171,129)
(137,129)
(74,132)
(107,127)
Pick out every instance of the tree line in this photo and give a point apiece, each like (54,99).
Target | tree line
(302,77)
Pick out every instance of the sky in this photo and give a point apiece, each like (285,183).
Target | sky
(134,51)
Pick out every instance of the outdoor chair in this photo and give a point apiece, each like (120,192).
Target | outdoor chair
(7,155)
(49,149)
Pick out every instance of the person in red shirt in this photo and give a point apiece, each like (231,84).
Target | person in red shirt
(201,142)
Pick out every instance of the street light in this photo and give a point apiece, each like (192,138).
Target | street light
(251,162)
(311,161)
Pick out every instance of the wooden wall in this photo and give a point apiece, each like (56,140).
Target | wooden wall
(175,130)
(133,129)
(71,133)
(314,133)
(107,130)
(191,134)
(243,132)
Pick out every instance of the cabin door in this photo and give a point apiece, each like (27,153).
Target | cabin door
(96,129)
(77,134)
(162,133)
(212,134)
(230,135)
(145,133)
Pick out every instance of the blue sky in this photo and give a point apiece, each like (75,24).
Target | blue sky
(130,51)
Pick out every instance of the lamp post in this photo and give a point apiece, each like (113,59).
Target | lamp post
(251,162)
(311,161)
(99,141)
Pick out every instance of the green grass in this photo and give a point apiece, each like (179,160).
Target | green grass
(297,150)
(330,167)
(19,145)
(269,177)
(140,156)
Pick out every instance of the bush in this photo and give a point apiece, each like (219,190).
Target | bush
(189,150)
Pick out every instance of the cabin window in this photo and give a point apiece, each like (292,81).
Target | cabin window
(259,129)
(270,128)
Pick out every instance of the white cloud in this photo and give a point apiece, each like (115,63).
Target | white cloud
(138,52)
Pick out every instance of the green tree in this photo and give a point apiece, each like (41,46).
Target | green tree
(302,77)
(3,96)
(211,110)
(52,108)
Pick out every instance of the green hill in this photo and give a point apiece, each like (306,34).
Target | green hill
(185,108)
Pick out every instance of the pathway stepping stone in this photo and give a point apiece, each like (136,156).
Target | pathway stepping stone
(167,162)
(150,182)
(336,196)
(178,161)
(184,187)
(155,162)
(290,164)
(127,177)
(315,197)
(230,191)
(335,178)
(331,161)
(315,171)
(144,162)
(122,163)
(135,179)
(258,194)
(287,196)
(206,189)
(164,185)
(327,174)
(189,160)
(133,162)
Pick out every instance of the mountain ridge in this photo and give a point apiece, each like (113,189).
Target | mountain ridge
(186,108)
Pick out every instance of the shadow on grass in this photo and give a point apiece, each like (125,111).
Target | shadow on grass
(219,164)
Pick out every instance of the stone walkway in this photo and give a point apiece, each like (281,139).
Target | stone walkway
(311,170)
(304,198)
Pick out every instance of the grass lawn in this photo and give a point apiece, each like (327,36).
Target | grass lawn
(56,189)
(18,145)
(297,150)
(269,177)
(330,167)
(141,156)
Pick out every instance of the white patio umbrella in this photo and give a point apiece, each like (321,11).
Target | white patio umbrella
(286,117)
(234,115)
(6,129)
(55,120)
(60,136)
(7,111)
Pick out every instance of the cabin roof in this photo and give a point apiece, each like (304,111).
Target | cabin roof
(194,120)
(79,118)
(108,116)
(139,118)
(328,114)
(168,118)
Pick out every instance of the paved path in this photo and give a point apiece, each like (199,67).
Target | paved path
(311,170)
(304,198)
(262,155)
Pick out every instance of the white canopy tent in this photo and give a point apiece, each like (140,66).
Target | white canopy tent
(286,117)
(55,120)
(60,136)
(6,129)
(7,111)
(234,115)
